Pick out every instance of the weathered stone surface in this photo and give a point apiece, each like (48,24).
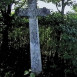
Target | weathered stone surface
(36,65)
(22,12)
(43,11)
(38,12)
(32,12)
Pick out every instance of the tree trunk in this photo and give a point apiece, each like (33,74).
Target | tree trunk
(62,11)
(6,16)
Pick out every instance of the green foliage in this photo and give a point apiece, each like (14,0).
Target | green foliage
(26,72)
(9,74)
(68,38)
(49,29)
(75,7)
(4,3)
(32,75)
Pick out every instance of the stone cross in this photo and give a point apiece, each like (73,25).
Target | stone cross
(32,12)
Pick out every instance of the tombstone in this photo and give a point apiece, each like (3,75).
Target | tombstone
(32,12)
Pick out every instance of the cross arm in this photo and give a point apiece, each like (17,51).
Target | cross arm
(22,12)
(29,12)
(43,11)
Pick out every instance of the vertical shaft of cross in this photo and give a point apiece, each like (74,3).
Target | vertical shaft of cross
(32,3)
(32,8)
(36,65)
(32,12)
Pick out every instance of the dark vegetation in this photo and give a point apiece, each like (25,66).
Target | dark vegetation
(58,39)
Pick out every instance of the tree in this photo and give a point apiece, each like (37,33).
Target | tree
(60,3)
(8,20)
(65,46)
(75,7)
(5,10)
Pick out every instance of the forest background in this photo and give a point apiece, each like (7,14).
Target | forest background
(58,41)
